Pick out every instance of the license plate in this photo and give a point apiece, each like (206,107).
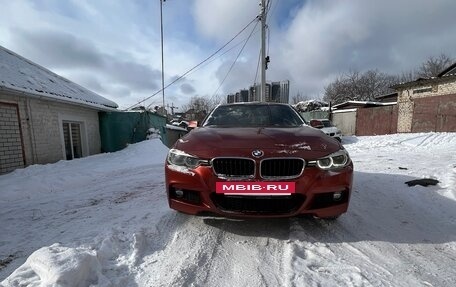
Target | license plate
(255,188)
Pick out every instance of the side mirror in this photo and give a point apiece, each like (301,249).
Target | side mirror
(316,124)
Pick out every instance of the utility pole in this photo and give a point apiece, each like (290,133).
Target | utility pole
(263,51)
(162,58)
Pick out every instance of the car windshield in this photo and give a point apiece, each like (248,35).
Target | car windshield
(327,124)
(248,115)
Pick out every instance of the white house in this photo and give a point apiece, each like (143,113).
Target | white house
(44,117)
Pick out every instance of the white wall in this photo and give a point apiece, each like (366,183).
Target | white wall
(345,121)
(41,122)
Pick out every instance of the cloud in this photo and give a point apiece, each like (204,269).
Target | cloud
(187,89)
(220,20)
(57,49)
(60,50)
(113,47)
(326,38)
(241,76)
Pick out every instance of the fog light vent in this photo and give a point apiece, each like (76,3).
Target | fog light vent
(327,199)
(179,193)
(186,195)
(337,196)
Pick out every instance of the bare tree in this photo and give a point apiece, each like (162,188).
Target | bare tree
(217,100)
(356,86)
(299,98)
(366,86)
(407,76)
(434,65)
(199,106)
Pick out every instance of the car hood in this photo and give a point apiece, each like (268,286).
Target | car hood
(285,140)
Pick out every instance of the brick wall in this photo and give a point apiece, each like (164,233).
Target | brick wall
(41,122)
(427,107)
(11,148)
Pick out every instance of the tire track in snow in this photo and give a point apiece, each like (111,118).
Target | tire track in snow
(251,252)
(178,262)
(244,260)
(315,259)
(219,252)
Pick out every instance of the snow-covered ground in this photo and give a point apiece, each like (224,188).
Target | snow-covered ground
(104,221)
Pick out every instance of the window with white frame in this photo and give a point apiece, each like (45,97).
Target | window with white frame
(72,139)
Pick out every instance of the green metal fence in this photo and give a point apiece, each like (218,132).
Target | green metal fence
(118,129)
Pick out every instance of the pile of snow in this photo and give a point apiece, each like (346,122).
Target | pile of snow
(311,105)
(153,133)
(57,265)
(104,221)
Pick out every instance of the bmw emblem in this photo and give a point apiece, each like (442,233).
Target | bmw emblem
(257,153)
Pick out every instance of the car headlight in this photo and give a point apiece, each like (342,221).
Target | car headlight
(335,160)
(180,158)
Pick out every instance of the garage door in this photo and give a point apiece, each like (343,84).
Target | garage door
(11,148)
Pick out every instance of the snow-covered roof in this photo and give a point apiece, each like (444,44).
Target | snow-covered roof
(176,128)
(356,104)
(450,71)
(310,105)
(447,74)
(344,111)
(24,76)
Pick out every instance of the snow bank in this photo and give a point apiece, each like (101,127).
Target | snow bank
(57,265)
(109,214)
(63,174)
(419,155)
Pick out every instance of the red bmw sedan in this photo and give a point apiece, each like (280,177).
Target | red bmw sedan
(258,160)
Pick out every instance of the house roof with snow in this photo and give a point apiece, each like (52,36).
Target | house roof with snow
(449,74)
(451,70)
(387,98)
(310,105)
(18,74)
(360,104)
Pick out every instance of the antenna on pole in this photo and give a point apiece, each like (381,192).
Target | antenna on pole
(172,107)
(263,51)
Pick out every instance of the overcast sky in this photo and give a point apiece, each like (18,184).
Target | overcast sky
(113,47)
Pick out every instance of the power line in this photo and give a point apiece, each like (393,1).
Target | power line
(235,60)
(196,66)
(224,53)
(273,8)
(268,6)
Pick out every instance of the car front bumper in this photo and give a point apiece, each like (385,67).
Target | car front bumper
(193,192)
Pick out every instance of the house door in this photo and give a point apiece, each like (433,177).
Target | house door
(72,139)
